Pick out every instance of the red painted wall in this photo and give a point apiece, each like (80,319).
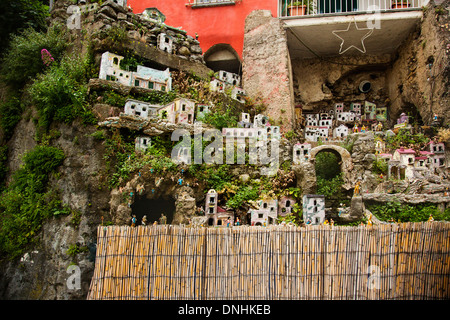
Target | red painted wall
(221,24)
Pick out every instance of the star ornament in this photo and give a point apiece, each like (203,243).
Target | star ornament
(353,37)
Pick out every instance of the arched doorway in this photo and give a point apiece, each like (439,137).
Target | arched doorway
(222,56)
(153,208)
(346,164)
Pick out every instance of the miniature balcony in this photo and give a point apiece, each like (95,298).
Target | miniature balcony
(375,27)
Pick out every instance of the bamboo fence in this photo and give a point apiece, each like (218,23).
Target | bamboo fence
(391,261)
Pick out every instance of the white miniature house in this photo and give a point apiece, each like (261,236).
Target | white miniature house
(355,108)
(313,209)
(165,42)
(229,77)
(217,85)
(140,108)
(211,203)
(301,152)
(142,143)
(238,94)
(340,132)
(144,77)
(338,108)
(266,214)
(438,157)
(260,121)
(245,120)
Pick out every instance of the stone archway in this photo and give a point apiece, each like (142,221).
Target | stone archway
(346,161)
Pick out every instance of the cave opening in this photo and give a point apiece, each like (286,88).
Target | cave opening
(153,208)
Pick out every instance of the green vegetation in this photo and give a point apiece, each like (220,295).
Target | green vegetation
(60,93)
(10,114)
(28,201)
(407,213)
(405,138)
(22,61)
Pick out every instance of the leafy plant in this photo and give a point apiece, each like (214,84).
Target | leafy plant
(407,213)
(10,115)
(27,202)
(22,61)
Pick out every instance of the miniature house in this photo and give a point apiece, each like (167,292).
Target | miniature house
(273,132)
(396,170)
(217,85)
(142,143)
(326,123)
(202,110)
(229,77)
(345,117)
(406,158)
(211,203)
(144,77)
(338,108)
(403,118)
(311,134)
(165,42)
(180,110)
(301,152)
(370,110)
(437,147)
(340,132)
(153,14)
(380,146)
(285,206)
(381,113)
(312,120)
(140,108)
(153,79)
(355,108)
(438,156)
(260,121)
(245,120)
(423,160)
(313,209)
(110,69)
(238,94)
(266,214)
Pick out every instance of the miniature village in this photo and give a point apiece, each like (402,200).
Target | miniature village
(103,115)
(409,163)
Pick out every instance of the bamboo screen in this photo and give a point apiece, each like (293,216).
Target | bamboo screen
(391,261)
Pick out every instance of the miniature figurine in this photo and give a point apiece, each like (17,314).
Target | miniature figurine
(379,126)
(430,218)
(238,222)
(331,222)
(144,220)
(357,188)
(326,222)
(369,222)
(133,221)
(155,223)
(355,128)
(363,129)
(140,189)
(228,222)
(162,219)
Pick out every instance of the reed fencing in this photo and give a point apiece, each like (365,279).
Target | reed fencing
(392,261)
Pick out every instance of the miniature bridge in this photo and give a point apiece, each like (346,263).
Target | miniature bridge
(393,261)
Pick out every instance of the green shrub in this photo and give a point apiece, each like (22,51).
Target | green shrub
(221,120)
(22,61)
(60,93)
(10,115)
(26,203)
(407,213)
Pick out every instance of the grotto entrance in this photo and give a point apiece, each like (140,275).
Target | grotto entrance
(153,208)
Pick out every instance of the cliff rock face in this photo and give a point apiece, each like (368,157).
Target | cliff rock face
(267,66)
(418,80)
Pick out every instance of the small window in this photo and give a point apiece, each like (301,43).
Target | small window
(265,205)
(116,61)
(211,210)
(144,109)
(150,85)
(163,88)
(288,203)
(133,106)
(136,83)
(260,215)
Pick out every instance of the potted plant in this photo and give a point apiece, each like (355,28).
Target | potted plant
(399,4)
(300,8)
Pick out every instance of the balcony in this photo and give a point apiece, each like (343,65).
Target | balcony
(330,27)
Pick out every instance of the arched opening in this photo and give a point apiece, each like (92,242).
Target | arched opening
(153,208)
(328,164)
(222,56)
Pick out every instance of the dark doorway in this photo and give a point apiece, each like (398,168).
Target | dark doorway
(153,208)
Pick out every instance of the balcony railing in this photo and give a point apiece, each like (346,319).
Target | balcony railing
(298,8)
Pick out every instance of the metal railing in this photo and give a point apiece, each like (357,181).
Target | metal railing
(298,8)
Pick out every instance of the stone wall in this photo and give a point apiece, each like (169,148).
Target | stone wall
(266,66)
(111,15)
